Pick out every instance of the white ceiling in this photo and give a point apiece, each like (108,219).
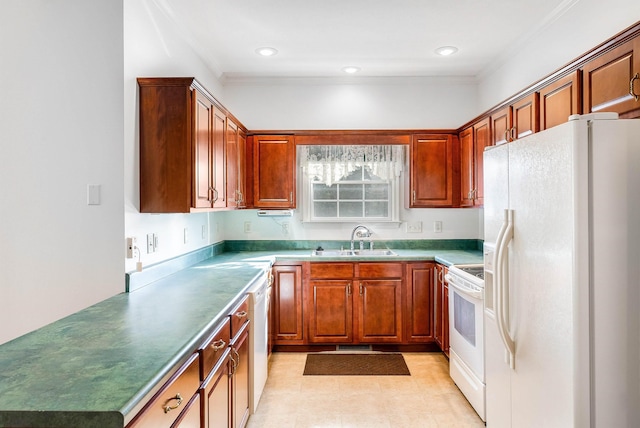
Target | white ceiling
(316,38)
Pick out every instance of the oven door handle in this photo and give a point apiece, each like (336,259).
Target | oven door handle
(474,294)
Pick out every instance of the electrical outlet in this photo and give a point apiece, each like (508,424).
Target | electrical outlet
(204,232)
(131,245)
(185,235)
(437,226)
(247,227)
(414,227)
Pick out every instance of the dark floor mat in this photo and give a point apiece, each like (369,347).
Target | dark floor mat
(356,365)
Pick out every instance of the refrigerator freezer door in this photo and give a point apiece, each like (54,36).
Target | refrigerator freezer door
(541,282)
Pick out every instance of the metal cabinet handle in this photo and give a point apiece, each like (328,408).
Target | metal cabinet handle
(218,345)
(168,408)
(349,289)
(234,363)
(241,314)
(631,92)
(514,133)
(414,196)
(361,289)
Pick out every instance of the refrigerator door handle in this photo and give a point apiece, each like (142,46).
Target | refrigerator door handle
(501,287)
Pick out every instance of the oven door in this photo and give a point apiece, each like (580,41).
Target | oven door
(466,332)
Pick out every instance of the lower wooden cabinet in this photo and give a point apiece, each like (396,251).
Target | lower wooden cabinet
(441,308)
(419,291)
(240,378)
(362,303)
(176,403)
(287,321)
(217,394)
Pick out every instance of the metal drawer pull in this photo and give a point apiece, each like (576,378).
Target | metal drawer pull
(168,408)
(241,314)
(218,345)
(631,92)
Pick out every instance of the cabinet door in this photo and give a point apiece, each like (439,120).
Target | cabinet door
(203,133)
(287,299)
(274,171)
(419,314)
(240,380)
(607,80)
(217,395)
(242,169)
(525,117)
(431,182)
(218,147)
(330,311)
(232,166)
(501,126)
(559,100)
(380,311)
(466,167)
(191,415)
(481,140)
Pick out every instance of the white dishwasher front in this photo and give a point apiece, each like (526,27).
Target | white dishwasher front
(258,337)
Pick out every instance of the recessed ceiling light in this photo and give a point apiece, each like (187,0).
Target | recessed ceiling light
(446,50)
(350,69)
(266,51)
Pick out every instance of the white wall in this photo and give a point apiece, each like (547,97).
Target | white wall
(61,128)
(154,48)
(352,103)
(583,25)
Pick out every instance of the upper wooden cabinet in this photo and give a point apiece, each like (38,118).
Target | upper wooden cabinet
(183,135)
(560,99)
(473,141)
(516,120)
(433,169)
(274,171)
(611,80)
(235,165)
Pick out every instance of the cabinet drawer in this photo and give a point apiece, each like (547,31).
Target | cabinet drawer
(172,399)
(380,270)
(331,270)
(239,316)
(213,349)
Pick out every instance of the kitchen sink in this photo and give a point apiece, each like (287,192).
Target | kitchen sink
(354,253)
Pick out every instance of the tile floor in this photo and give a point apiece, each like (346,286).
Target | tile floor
(428,398)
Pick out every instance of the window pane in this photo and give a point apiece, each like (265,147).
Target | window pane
(351,191)
(376,191)
(351,209)
(376,209)
(325,209)
(321,191)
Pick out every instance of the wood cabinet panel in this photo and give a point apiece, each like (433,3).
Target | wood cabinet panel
(239,316)
(274,171)
(217,395)
(218,186)
(380,270)
(331,311)
(214,348)
(232,164)
(560,99)
(287,295)
(501,126)
(481,140)
(191,416)
(607,80)
(525,116)
(203,151)
(380,311)
(442,308)
(174,395)
(466,167)
(431,182)
(331,270)
(419,310)
(240,379)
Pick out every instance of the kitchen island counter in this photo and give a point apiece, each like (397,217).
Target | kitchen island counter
(97,367)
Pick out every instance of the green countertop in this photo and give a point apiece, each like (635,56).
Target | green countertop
(95,368)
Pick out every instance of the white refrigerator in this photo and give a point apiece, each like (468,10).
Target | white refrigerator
(562,279)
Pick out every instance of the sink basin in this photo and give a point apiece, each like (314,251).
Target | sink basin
(355,253)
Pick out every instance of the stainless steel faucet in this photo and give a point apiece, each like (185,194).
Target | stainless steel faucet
(361,231)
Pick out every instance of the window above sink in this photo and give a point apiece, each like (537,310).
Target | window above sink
(351,183)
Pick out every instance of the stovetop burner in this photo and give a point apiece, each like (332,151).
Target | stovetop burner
(477,271)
